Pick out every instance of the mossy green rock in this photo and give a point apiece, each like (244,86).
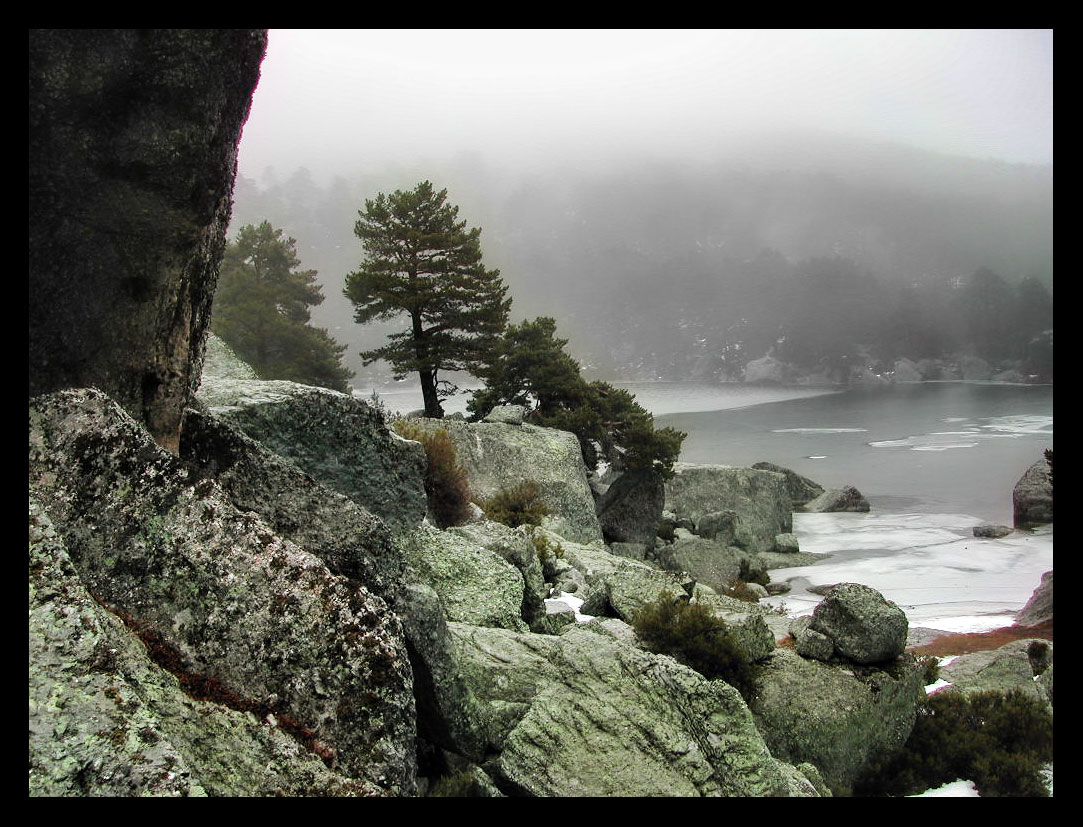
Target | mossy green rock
(255,620)
(1003,669)
(106,720)
(587,713)
(476,585)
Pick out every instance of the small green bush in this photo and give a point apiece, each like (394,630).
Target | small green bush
(696,638)
(447,492)
(998,740)
(516,506)
(930,665)
(546,549)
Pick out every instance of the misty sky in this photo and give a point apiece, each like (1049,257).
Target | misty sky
(355,101)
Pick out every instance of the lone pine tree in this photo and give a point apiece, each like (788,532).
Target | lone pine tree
(421,262)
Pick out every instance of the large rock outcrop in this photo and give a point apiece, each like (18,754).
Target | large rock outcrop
(242,617)
(1019,665)
(759,500)
(337,439)
(801,489)
(107,719)
(587,713)
(1032,497)
(133,150)
(631,508)
(498,455)
(839,718)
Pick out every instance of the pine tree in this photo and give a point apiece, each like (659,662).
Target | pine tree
(261,310)
(530,367)
(420,261)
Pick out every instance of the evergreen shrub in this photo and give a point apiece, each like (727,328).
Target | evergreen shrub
(694,636)
(517,505)
(1000,741)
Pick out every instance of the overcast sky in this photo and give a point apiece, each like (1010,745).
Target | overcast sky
(348,101)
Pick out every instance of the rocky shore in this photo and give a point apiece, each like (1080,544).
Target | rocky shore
(235,587)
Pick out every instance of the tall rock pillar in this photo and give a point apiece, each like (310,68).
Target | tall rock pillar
(133,153)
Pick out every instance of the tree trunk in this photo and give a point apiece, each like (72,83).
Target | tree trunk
(433,410)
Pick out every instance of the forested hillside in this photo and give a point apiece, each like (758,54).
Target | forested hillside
(820,252)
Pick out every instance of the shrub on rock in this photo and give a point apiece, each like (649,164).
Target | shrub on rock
(697,638)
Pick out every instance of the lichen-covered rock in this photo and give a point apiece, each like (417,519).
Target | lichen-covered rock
(351,541)
(759,498)
(617,586)
(106,719)
(708,561)
(809,643)
(787,544)
(838,718)
(1032,497)
(516,547)
(133,151)
(589,714)
(864,626)
(248,619)
(1011,666)
(847,499)
(507,414)
(721,526)
(497,457)
(476,585)
(1039,608)
(745,621)
(448,715)
(801,489)
(337,439)
(631,508)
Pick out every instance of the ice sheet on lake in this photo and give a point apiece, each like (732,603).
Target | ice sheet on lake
(973,433)
(931,565)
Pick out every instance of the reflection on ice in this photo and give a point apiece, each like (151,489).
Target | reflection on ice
(931,565)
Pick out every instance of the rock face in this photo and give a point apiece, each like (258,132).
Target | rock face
(586,713)
(758,498)
(107,719)
(862,624)
(498,455)
(631,508)
(244,619)
(1032,498)
(350,541)
(335,438)
(836,717)
(1039,608)
(475,585)
(133,149)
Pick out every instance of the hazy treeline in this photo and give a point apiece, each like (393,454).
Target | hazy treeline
(681,271)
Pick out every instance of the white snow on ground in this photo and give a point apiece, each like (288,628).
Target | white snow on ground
(956,789)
